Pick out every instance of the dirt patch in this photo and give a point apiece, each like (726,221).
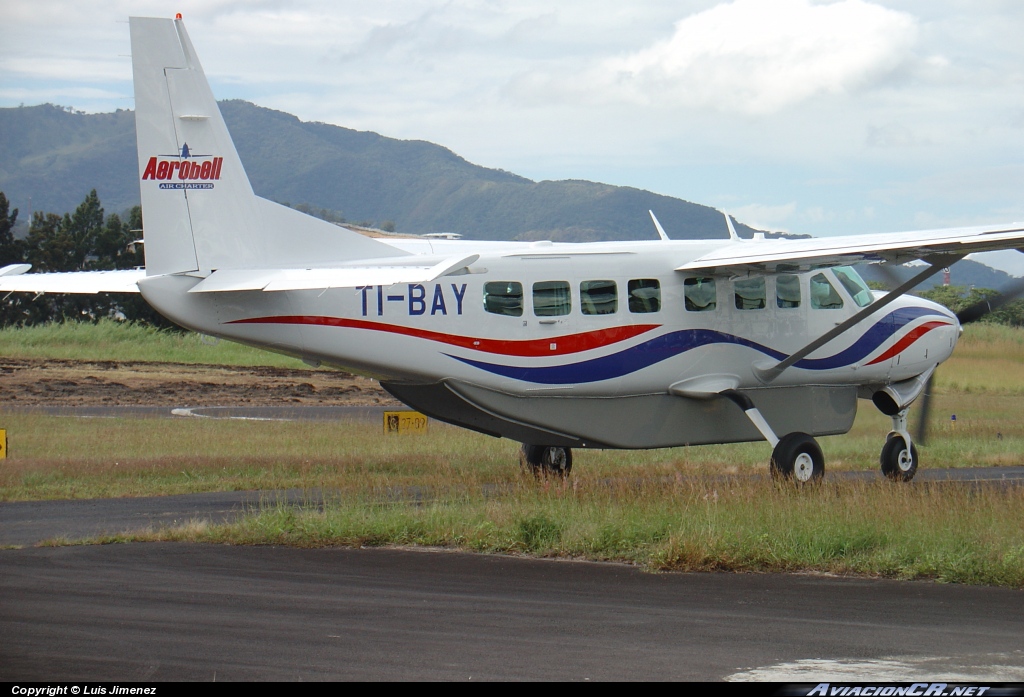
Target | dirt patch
(84,383)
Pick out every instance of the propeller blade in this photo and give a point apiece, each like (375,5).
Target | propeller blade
(926,404)
(970,314)
(978,310)
(889,276)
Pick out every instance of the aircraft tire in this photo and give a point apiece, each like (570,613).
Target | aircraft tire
(798,458)
(898,464)
(547,460)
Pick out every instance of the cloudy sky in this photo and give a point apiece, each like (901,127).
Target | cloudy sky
(814,116)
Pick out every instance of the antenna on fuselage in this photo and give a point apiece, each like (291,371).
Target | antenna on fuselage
(732,230)
(658,227)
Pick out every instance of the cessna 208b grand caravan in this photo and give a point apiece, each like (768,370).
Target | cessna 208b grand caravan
(601,345)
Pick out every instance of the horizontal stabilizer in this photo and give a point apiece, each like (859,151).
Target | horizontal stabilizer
(232,280)
(87,282)
(15,269)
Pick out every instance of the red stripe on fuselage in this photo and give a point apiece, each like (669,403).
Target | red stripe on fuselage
(912,336)
(570,343)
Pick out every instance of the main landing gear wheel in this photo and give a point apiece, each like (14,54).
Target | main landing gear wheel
(547,460)
(898,462)
(798,458)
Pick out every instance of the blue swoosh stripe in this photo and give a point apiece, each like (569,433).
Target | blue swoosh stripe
(674,343)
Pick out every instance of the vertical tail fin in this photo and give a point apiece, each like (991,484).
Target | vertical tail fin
(199,208)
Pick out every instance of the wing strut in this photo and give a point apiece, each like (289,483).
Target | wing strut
(768,375)
(753,413)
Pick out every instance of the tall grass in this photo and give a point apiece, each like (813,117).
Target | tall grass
(951,533)
(63,457)
(989,359)
(664,509)
(705,508)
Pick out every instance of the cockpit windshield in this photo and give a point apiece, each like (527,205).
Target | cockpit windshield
(854,285)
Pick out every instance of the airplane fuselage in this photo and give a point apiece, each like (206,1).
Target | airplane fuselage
(569,325)
(614,345)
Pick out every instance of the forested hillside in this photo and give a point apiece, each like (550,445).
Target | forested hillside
(55,156)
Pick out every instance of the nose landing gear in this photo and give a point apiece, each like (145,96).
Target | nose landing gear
(899,454)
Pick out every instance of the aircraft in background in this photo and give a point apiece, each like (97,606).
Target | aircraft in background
(558,346)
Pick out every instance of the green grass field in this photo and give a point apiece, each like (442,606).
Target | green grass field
(108,340)
(700,508)
(62,457)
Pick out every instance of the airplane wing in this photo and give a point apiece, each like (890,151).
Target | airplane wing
(13,279)
(782,254)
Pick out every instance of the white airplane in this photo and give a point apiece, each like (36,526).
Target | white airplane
(602,345)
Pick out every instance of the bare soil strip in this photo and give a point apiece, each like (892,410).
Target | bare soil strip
(35,382)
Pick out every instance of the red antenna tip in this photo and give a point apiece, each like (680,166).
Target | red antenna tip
(177,16)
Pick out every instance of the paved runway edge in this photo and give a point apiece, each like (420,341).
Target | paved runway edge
(170,611)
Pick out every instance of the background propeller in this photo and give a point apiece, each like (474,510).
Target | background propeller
(972,313)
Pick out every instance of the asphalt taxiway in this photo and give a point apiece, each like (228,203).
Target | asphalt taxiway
(166,611)
(161,611)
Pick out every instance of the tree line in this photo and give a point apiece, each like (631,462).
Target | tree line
(85,240)
(89,240)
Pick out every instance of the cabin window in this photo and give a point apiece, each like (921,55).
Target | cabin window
(504,298)
(750,293)
(823,295)
(699,294)
(787,291)
(644,295)
(854,285)
(599,297)
(551,299)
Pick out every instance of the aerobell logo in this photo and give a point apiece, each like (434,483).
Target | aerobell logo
(190,170)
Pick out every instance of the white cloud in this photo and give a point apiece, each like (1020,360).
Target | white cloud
(840,106)
(64,67)
(760,56)
(764,217)
(77,94)
(895,135)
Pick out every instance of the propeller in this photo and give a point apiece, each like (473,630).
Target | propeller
(975,312)
(979,309)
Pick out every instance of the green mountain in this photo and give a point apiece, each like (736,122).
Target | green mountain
(51,157)
(965,273)
(55,156)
